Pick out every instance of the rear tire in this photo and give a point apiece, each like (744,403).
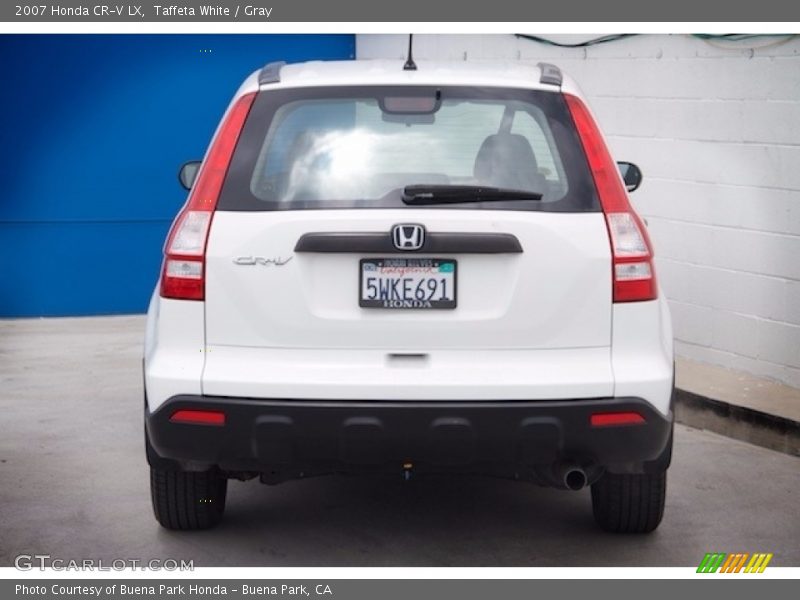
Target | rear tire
(186,500)
(629,503)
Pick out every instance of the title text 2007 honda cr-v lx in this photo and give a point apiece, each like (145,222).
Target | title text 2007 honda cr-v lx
(427,270)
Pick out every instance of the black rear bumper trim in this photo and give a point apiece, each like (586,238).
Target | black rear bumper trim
(294,438)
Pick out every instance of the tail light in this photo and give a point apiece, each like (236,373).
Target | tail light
(632,254)
(183,271)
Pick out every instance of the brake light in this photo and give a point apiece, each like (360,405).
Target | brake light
(183,271)
(612,419)
(632,254)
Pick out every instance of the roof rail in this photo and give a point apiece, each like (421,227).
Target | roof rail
(551,74)
(271,73)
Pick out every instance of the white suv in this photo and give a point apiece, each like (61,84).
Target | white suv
(409,269)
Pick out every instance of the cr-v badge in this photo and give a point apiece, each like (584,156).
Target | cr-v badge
(260,260)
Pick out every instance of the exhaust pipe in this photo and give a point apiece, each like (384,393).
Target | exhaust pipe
(575,479)
(572,476)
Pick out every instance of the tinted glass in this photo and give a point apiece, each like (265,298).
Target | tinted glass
(355,147)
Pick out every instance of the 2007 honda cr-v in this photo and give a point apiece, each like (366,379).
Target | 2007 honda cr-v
(387,269)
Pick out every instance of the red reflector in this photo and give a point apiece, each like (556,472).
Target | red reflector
(202,417)
(616,418)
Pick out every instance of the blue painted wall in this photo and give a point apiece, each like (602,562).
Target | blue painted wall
(92,132)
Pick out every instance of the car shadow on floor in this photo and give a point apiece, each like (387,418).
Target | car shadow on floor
(427,521)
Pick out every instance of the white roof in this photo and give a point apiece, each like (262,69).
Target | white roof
(487,73)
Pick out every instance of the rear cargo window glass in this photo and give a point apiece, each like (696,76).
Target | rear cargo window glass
(321,148)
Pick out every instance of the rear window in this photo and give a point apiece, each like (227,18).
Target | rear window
(359,147)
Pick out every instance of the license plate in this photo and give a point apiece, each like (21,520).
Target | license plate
(407,283)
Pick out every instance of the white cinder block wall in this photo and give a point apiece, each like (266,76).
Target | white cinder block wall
(716,131)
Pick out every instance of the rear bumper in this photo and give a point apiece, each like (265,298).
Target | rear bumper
(286,439)
(639,364)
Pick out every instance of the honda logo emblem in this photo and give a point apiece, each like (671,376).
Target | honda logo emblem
(408,237)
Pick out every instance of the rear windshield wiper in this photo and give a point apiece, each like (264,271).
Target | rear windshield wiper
(456,194)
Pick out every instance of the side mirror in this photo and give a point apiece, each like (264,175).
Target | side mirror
(631,175)
(188,173)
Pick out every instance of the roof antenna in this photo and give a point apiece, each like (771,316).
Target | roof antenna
(410,64)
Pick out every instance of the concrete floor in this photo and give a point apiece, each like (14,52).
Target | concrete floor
(74,484)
